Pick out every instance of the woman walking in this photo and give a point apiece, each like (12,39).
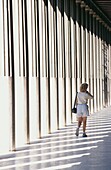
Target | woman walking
(82,107)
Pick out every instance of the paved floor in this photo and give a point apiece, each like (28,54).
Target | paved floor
(64,151)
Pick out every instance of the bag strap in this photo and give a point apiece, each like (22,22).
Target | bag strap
(75,99)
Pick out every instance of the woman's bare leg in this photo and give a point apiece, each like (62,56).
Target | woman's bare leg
(84,124)
(80,119)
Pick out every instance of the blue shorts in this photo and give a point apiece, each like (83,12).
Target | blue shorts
(82,110)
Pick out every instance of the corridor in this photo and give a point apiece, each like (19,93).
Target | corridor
(63,150)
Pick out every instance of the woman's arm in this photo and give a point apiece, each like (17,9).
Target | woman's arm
(89,94)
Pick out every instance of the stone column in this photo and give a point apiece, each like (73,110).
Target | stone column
(78,46)
(83,49)
(91,58)
(52,65)
(95,63)
(67,61)
(73,51)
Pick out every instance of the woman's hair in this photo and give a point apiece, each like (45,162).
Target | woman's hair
(83,87)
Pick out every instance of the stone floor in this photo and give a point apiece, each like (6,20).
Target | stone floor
(62,150)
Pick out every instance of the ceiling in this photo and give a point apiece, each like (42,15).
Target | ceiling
(102,7)
(105,6)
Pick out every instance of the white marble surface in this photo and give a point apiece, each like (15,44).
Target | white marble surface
(63,150)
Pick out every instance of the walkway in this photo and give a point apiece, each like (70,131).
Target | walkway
(64,151)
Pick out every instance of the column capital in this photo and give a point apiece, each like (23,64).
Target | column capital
(100,20)
(94,14)
(78,1)
(97,18)
(87,8)
(90,11)
(105,25)
(108,28)
(83,4)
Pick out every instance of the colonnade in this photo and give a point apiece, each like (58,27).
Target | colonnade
(47,49)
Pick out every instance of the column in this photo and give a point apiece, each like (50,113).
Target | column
(108,71)
(60,71)
(34,70)
(95,67)
(91,58)
(87,43)
(83,48)
(110,64)
(105,55)
(44,84)
(67,60)
(73,51)
(100,62)
(97,62)
(21,70)
(78,11)
(103,103)
(7,104)
(52,65)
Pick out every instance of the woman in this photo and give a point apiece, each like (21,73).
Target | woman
(82,108)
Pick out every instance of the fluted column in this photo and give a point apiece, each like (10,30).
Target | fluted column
(83,49)
(73,51)
(67,61)
(91,59)
(52,65)
(100,62)
(78,23)
(44,84)
(95,63)
(105,64)
(7,85)
(103,103)
(110,64)
(61,73)
(87,43)
(33,72)
(21,73)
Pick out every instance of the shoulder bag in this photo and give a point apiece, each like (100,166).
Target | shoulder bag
(74,109)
